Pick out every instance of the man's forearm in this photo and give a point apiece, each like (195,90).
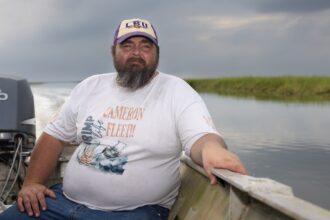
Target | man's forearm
(44,159)
(205,141)
(210,151)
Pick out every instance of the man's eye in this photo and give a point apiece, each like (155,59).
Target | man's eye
(146,46)
(126,46)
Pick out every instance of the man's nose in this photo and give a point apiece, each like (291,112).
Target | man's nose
(136,50)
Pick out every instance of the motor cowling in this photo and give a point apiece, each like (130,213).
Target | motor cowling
(17,116)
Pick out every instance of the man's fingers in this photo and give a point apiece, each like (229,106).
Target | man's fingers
(213,180)
(27,205)
(35,205)
(238,167)
(32,199)
(50,193)
(20,204)
(233,163)
(242,170)
(208,170)
(42,200)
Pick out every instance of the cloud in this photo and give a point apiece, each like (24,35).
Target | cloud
(231,22)
(213,25)
(258,45)
(295,6)
(46,40)
(16,23)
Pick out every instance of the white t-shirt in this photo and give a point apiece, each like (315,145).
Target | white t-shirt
(130,141)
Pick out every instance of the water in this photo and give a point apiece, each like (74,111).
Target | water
(48,98)
(286,142)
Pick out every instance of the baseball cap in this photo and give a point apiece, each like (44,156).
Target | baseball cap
(135,27)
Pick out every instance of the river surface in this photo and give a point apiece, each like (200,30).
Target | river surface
(289,143)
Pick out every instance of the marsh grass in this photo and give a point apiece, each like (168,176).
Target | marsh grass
(281,88)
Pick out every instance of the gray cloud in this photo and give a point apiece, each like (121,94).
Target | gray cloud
(60,40)
(297,6)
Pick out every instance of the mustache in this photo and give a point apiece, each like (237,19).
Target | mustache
(136,59)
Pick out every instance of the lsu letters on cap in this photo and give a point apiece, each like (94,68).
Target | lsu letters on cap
(135,27)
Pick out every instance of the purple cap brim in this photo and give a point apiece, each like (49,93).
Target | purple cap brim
(126,36)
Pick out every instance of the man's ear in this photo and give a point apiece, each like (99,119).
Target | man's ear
(113,50)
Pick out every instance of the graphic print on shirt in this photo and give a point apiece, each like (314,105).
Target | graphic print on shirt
(104,157)
(209,122)
(122,120)
(100,148)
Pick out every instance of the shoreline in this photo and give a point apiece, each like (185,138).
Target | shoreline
(277,88)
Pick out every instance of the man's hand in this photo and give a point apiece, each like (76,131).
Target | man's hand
(42,163)
(211,152)
(32,197)
(217,157)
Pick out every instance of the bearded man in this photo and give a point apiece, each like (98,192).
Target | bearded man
(131,127)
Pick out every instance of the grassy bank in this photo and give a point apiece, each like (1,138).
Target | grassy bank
(284,88)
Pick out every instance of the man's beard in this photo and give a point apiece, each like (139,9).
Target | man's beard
(134,76)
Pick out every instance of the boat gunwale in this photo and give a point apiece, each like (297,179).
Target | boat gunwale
(267,191)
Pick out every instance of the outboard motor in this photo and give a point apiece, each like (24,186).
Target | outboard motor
(17,134)
(16,113)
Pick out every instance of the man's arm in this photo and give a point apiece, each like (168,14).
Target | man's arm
(43,162)
(210,151)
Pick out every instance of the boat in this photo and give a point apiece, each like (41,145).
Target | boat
(234,197)
(237,197)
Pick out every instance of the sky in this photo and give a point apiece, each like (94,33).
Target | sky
(60,40)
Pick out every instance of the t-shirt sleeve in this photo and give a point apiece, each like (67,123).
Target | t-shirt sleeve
(192,116)
(63,124)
